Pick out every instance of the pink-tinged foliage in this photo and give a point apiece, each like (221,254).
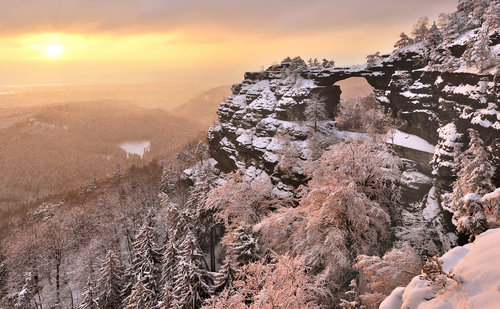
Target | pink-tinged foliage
(345,211)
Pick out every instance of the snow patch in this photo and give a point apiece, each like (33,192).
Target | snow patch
(408,140)
(477,264)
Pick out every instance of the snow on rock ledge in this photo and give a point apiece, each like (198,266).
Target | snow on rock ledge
(478,264)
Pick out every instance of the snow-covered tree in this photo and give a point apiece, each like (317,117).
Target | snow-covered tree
(351,298)
(176,220)
(327,63)
(110,282)
(468,215)
(141,297)
(443,161)
(379,276)
(117,174)
(89,297)
(241,201)
(362,115)
(404,40)
(242,245)
(492,17)
(373,59)
(315,110)
(283,283)
(476,170)
(146,265)
(192,281)
(313,62)
(434,37)
(343,213)
(202,151)
(170,256)
(454,25)
(477,13)
(478,52)
(225,277)
(420,29)
(474,180)
(27,297)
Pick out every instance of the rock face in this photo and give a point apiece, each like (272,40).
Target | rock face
(271,102)
(262,124)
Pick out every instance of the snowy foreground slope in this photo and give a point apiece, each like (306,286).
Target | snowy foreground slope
(476,264)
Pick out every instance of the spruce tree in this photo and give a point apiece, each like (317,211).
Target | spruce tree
(192,281)
(474,180)
(372,60)
(170,255)
(404,40)
(434,38)
(110,282)
(315,110)
(142,296)
(420,30)
(243,246)
(89,297)
(146,265)
(224,279)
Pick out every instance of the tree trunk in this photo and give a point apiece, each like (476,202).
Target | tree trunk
(58,297)
(212,250)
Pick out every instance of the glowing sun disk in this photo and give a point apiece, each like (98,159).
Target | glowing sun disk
(53,50)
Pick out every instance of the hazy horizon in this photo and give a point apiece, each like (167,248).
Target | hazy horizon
(90,42)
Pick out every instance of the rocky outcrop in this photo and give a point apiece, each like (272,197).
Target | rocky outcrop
(271,102)
(263,123)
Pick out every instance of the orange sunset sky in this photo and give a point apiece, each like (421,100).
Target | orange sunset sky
(209,42)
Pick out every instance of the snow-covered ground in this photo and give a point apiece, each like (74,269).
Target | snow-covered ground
(138,148)
(407,140)
(477,265)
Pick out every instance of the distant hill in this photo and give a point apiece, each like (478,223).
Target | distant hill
(203,107)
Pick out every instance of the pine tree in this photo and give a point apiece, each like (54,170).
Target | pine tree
(478,52)
(421,30)
(192,281)
(110,282)
(170,255)
(476,171)
(177,221)
(372,60)
(404,41)
(243,246)
(142,296)
(477,13)
(146,266)
(89,297)
(26,298)
(434,37)
(315,110)
(202,151)
(327,63)
(455,25)
(226,276)
(492,17)
(474,180)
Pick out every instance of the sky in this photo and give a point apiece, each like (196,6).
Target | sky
(198,41)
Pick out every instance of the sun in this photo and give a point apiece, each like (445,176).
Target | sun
(53,50)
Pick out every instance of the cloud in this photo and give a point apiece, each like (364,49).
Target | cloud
(261,16)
